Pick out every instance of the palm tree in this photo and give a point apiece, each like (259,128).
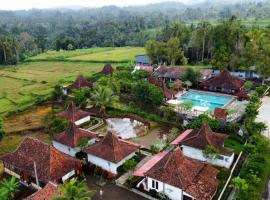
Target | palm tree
(74,190)
(8,188)
(103,97)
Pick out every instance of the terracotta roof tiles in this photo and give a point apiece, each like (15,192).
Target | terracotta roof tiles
(79,83)
(46,193)
(112,149)
(51,164)
(107,69)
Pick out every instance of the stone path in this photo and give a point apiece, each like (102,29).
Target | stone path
(122,179)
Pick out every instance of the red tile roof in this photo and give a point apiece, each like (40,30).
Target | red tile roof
(242,94)
(46,193)
(51,164)
(224,80)
(79,83)
(112,149)
(159,83)
(201,138)
(72,135)
(72,113)
(169,72)
(107,69)
(220,113)
(195,178)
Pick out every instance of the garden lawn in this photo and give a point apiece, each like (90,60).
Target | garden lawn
(236,145)
(121,54)
(20,85)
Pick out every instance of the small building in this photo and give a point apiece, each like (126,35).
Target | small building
(107,70)
(37,163)
(74,114)
(224,83)
(47,193)
(194,142)
(178,177)
(145,68)
(79,83)
(169,73)
(143,60)
(111,152)
(68,141)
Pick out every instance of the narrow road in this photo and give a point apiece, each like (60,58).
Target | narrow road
(264,116)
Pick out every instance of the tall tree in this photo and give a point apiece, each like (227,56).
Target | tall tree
(175,52)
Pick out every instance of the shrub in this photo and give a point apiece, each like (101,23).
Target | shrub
(130,164)
(54,124)
(261,89)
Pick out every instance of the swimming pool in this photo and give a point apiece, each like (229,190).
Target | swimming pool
(207,100)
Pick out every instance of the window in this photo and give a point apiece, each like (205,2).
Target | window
(226,159)
(155,184)
(220,157)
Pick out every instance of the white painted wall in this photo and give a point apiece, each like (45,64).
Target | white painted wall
(83,120)
(68,150)
(172,192)
(107,165)
(198,155)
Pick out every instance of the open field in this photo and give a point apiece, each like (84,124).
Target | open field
(20,85)
(105,54)
(124,54)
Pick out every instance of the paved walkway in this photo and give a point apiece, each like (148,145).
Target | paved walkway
(264,115)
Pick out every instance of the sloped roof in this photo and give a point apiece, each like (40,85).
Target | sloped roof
(201,138)
(107,69)
(169,72)
(46,193)
(72,135)
(112,149)
(242,93)
(224,80)
(195,178)
(220,113)
(72,113)
(51,164)
(79,83)
(159,83)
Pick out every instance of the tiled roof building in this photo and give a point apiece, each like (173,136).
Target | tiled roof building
(51,164)
(107,69)
(79,83)
(46,193)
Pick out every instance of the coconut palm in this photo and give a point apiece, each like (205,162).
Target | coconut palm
(8,188)
(103,97)
(74,190)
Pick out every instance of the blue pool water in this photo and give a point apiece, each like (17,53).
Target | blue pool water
(211,101)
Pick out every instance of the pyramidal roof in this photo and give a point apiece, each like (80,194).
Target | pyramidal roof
(72,113)
(72,135)
(51,164)
(112,149)
(194,177)
(79,83)
(224,80)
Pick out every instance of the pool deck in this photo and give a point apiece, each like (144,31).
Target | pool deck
(181,93)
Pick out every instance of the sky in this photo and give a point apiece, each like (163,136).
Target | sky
(28,4)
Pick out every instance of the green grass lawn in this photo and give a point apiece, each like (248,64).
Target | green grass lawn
(20,84)
(123,54)
(234,144)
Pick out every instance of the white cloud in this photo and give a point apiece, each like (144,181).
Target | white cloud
(28,4)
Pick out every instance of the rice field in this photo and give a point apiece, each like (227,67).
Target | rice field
(21,84)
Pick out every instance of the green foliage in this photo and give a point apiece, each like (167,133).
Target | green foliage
(210,152)
(261,89)
(174,52)
(8,188)
(249,85)
(54,124)
(192,76)
(2,132)
(103,98)
(130,164)
(202,119)
(74,189)
(83,143)
(57,93)
(147,94)
(81,96)
(140,74)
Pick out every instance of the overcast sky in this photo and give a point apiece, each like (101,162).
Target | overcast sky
(27,4)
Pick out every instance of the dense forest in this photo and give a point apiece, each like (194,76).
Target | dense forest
(26,33)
